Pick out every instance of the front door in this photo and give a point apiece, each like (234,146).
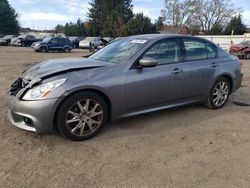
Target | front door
(157,85)
(53,44)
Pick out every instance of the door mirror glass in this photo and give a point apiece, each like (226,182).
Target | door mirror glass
(148,62)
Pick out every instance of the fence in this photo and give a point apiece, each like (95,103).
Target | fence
(225,41)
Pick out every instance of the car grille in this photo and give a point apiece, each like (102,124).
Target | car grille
(17,86)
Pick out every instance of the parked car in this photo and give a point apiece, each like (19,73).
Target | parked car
(24,40)
(75,41)
(53,44)
(94,41)
(242,50)
(108,39)
(131,76)
(103,44)
(5,41)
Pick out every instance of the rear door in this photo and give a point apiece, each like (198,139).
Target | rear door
(61,43)
(199,66)
(156,85)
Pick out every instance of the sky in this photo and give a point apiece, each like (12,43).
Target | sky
(46,14)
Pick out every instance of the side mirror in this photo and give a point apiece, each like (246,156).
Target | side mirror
(148,62)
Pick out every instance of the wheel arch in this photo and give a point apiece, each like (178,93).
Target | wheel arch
(44,46)
(94,90)
(66,46)
(229,78)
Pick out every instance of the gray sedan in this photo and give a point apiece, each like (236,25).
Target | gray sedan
(130,76)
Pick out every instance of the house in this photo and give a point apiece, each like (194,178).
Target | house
(175,30)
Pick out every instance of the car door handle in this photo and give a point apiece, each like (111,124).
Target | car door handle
(176,71)
(214,65)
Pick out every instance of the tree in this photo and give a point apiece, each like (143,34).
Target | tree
(159,23)
(177,12)
(59,29)
(8,19)
(208,13)
(72,29)
(107,17)
(113,25)
(139,24)
(80,28)
(217,29)
(236,26)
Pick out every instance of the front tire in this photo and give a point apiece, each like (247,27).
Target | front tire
(43,50)
(219,94)
(247,56)
(81,116)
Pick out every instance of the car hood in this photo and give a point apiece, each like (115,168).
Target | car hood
(237,46)
(16,38)
(38,42)
(58,66)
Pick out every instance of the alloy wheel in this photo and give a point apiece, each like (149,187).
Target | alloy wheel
(248,56)
(220,93)
(66,50)
(84,117)
(43,50)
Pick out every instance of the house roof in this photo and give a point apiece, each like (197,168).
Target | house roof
(175,30)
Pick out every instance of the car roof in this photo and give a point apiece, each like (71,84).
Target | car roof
(155,36)
(6,36)
(58,37)
(165,36)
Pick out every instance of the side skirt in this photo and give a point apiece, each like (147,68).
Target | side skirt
(161,107)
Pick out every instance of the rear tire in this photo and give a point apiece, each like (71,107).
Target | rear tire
(219,94)
(81,116)
(66,50)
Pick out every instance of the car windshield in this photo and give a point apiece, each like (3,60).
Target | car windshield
(46,39)
(119,51)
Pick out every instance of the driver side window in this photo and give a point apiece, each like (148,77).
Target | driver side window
(53,41)
(165,52)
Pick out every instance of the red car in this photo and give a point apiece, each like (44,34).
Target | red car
(241,50)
